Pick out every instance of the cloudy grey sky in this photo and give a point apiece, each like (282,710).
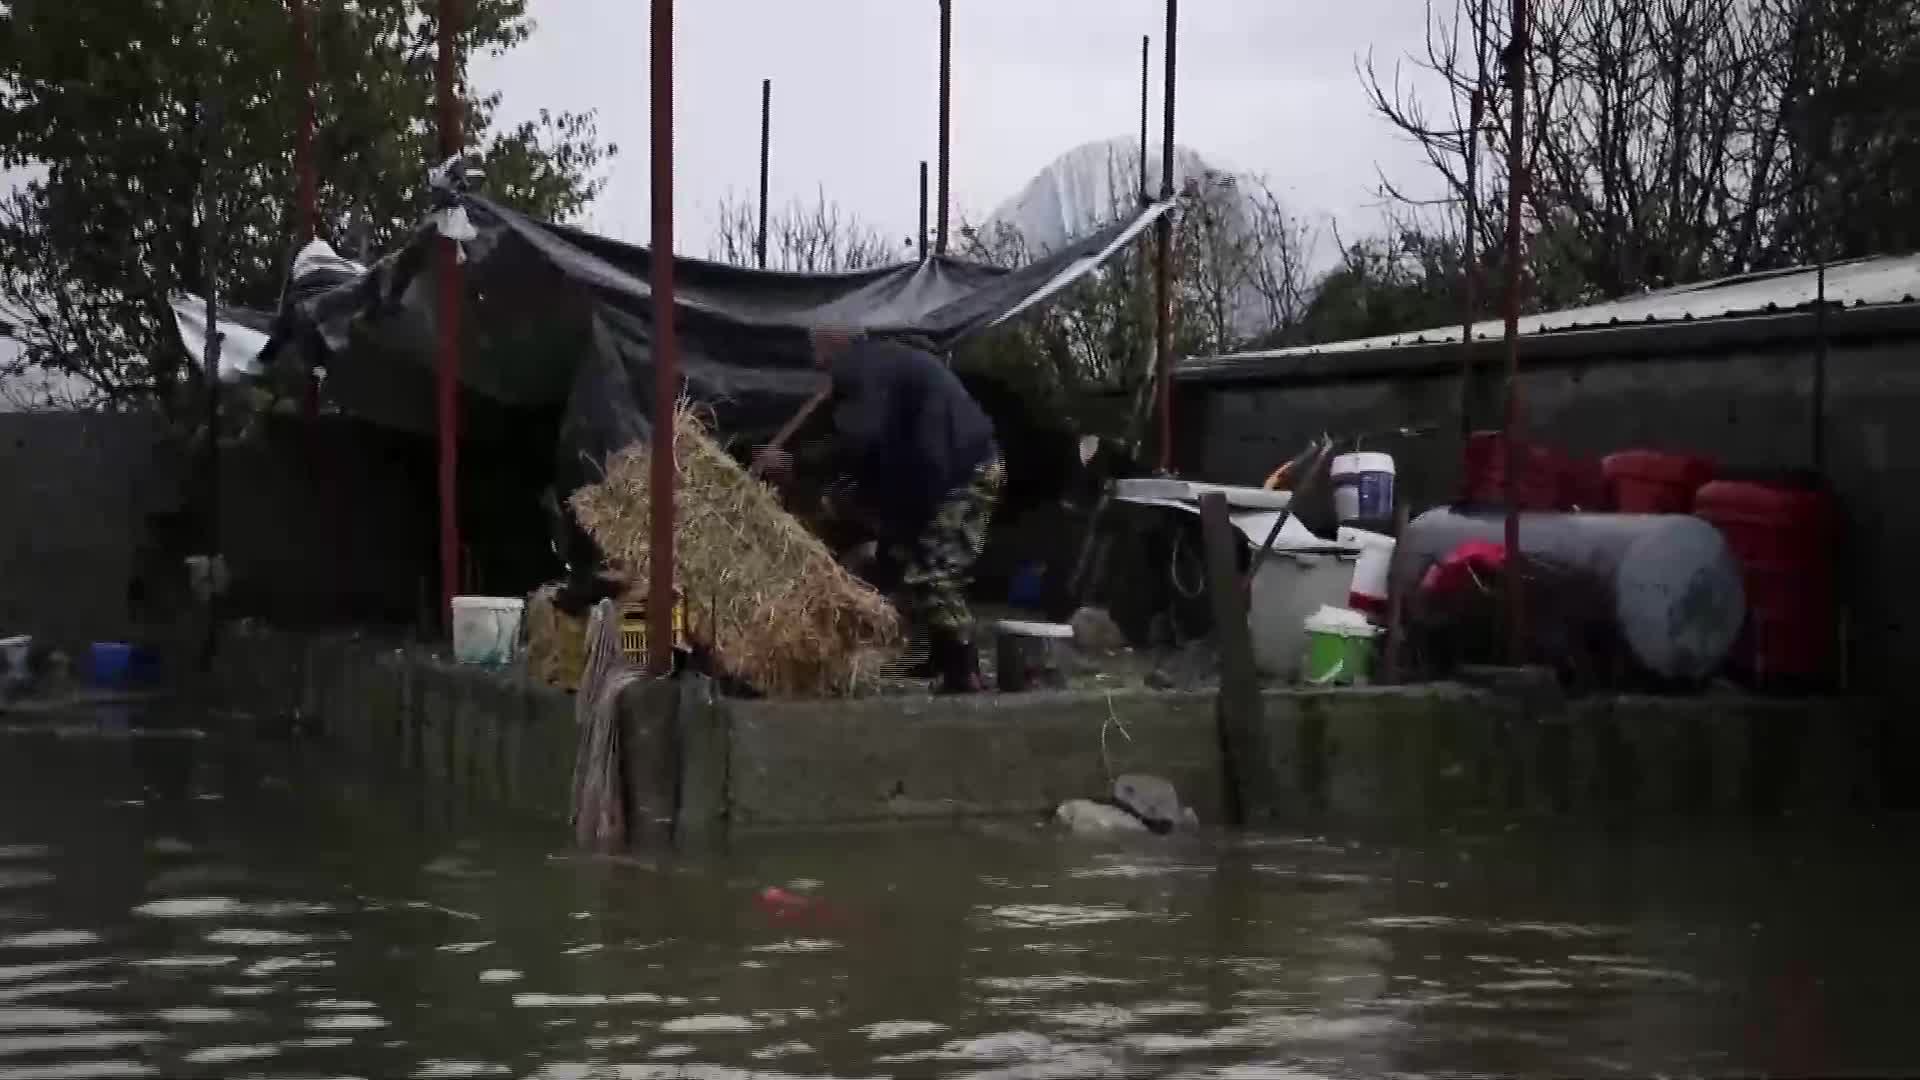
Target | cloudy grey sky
(1265,86)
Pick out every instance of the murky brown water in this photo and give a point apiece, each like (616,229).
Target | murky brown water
(173,906)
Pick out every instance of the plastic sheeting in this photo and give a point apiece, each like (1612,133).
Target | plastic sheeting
(241,345)
(556,317)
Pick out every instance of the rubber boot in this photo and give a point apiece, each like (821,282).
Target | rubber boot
(958,662)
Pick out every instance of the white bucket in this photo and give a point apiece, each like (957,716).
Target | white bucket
(1290,586)
(1370,588)
(15,653)
(486,629)
(1362,487)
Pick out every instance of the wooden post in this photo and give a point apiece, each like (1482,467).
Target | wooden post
(1238,707)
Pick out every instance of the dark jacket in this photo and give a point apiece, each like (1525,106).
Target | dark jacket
(905,431)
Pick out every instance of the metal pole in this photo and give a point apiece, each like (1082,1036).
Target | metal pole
(923,211)
(210,121)
(1163,231)
(946,118)
(447,370)
(666,356)
(1819,417)
(1514,419)
(766,132)
(308,225)
(1145,196)
(1469,266)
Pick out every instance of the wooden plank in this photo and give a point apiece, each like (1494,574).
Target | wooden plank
(1238,706)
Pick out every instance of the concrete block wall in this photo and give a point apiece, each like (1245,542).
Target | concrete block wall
(75,490)
(1403,757)
(811,763)
(320,526)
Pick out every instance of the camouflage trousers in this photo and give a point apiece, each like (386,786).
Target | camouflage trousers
(939,563)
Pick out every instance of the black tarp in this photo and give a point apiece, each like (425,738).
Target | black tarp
(554,317)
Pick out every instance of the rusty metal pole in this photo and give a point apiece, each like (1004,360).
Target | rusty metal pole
(946,119)
(1163,231)
(447,369)
(1514,417)
(923,211)
(307,199)
(211,118)
(766,133)
(666,355)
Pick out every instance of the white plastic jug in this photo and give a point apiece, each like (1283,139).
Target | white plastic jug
(1370,585)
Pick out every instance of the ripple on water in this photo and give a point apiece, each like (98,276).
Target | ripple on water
(75,1041)
(242,935)
(191,961)
(1053,916)
(230,1055)
(212,907)
(50,939)
(500,975)
(1059,982)
(197,1014)
(274,965)
(79,1070)
(23,878)
(25,1019)
(798,945)
(24,851)
(446,1069)
(346,1022)
(708,1024)
(899,1029)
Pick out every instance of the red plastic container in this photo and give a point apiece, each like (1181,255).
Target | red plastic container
(1651,482)
(1785,539)
(1549,479)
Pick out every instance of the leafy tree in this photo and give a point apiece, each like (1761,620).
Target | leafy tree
(136,116)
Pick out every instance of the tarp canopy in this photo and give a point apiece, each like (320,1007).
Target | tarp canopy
(557,317)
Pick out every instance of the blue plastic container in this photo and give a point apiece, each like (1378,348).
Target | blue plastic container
(116,665)
(110,665)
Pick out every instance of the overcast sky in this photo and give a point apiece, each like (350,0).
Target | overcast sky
(1265,86)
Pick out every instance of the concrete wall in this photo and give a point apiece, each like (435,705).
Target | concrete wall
(1747,406)
(1419,756)
(76,490)
(327,525)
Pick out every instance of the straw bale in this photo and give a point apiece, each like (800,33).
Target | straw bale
(763,594)
(556,641)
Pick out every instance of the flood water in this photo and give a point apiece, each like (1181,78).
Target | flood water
(182,906)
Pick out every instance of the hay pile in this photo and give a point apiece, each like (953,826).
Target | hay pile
(556,641)
(763,593)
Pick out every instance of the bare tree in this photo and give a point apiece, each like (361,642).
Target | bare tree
(1670,141)
(809,238)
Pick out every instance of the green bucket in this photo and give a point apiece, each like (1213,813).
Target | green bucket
(1339,650)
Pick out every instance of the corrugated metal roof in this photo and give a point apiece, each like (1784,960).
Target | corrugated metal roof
(1882,279)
